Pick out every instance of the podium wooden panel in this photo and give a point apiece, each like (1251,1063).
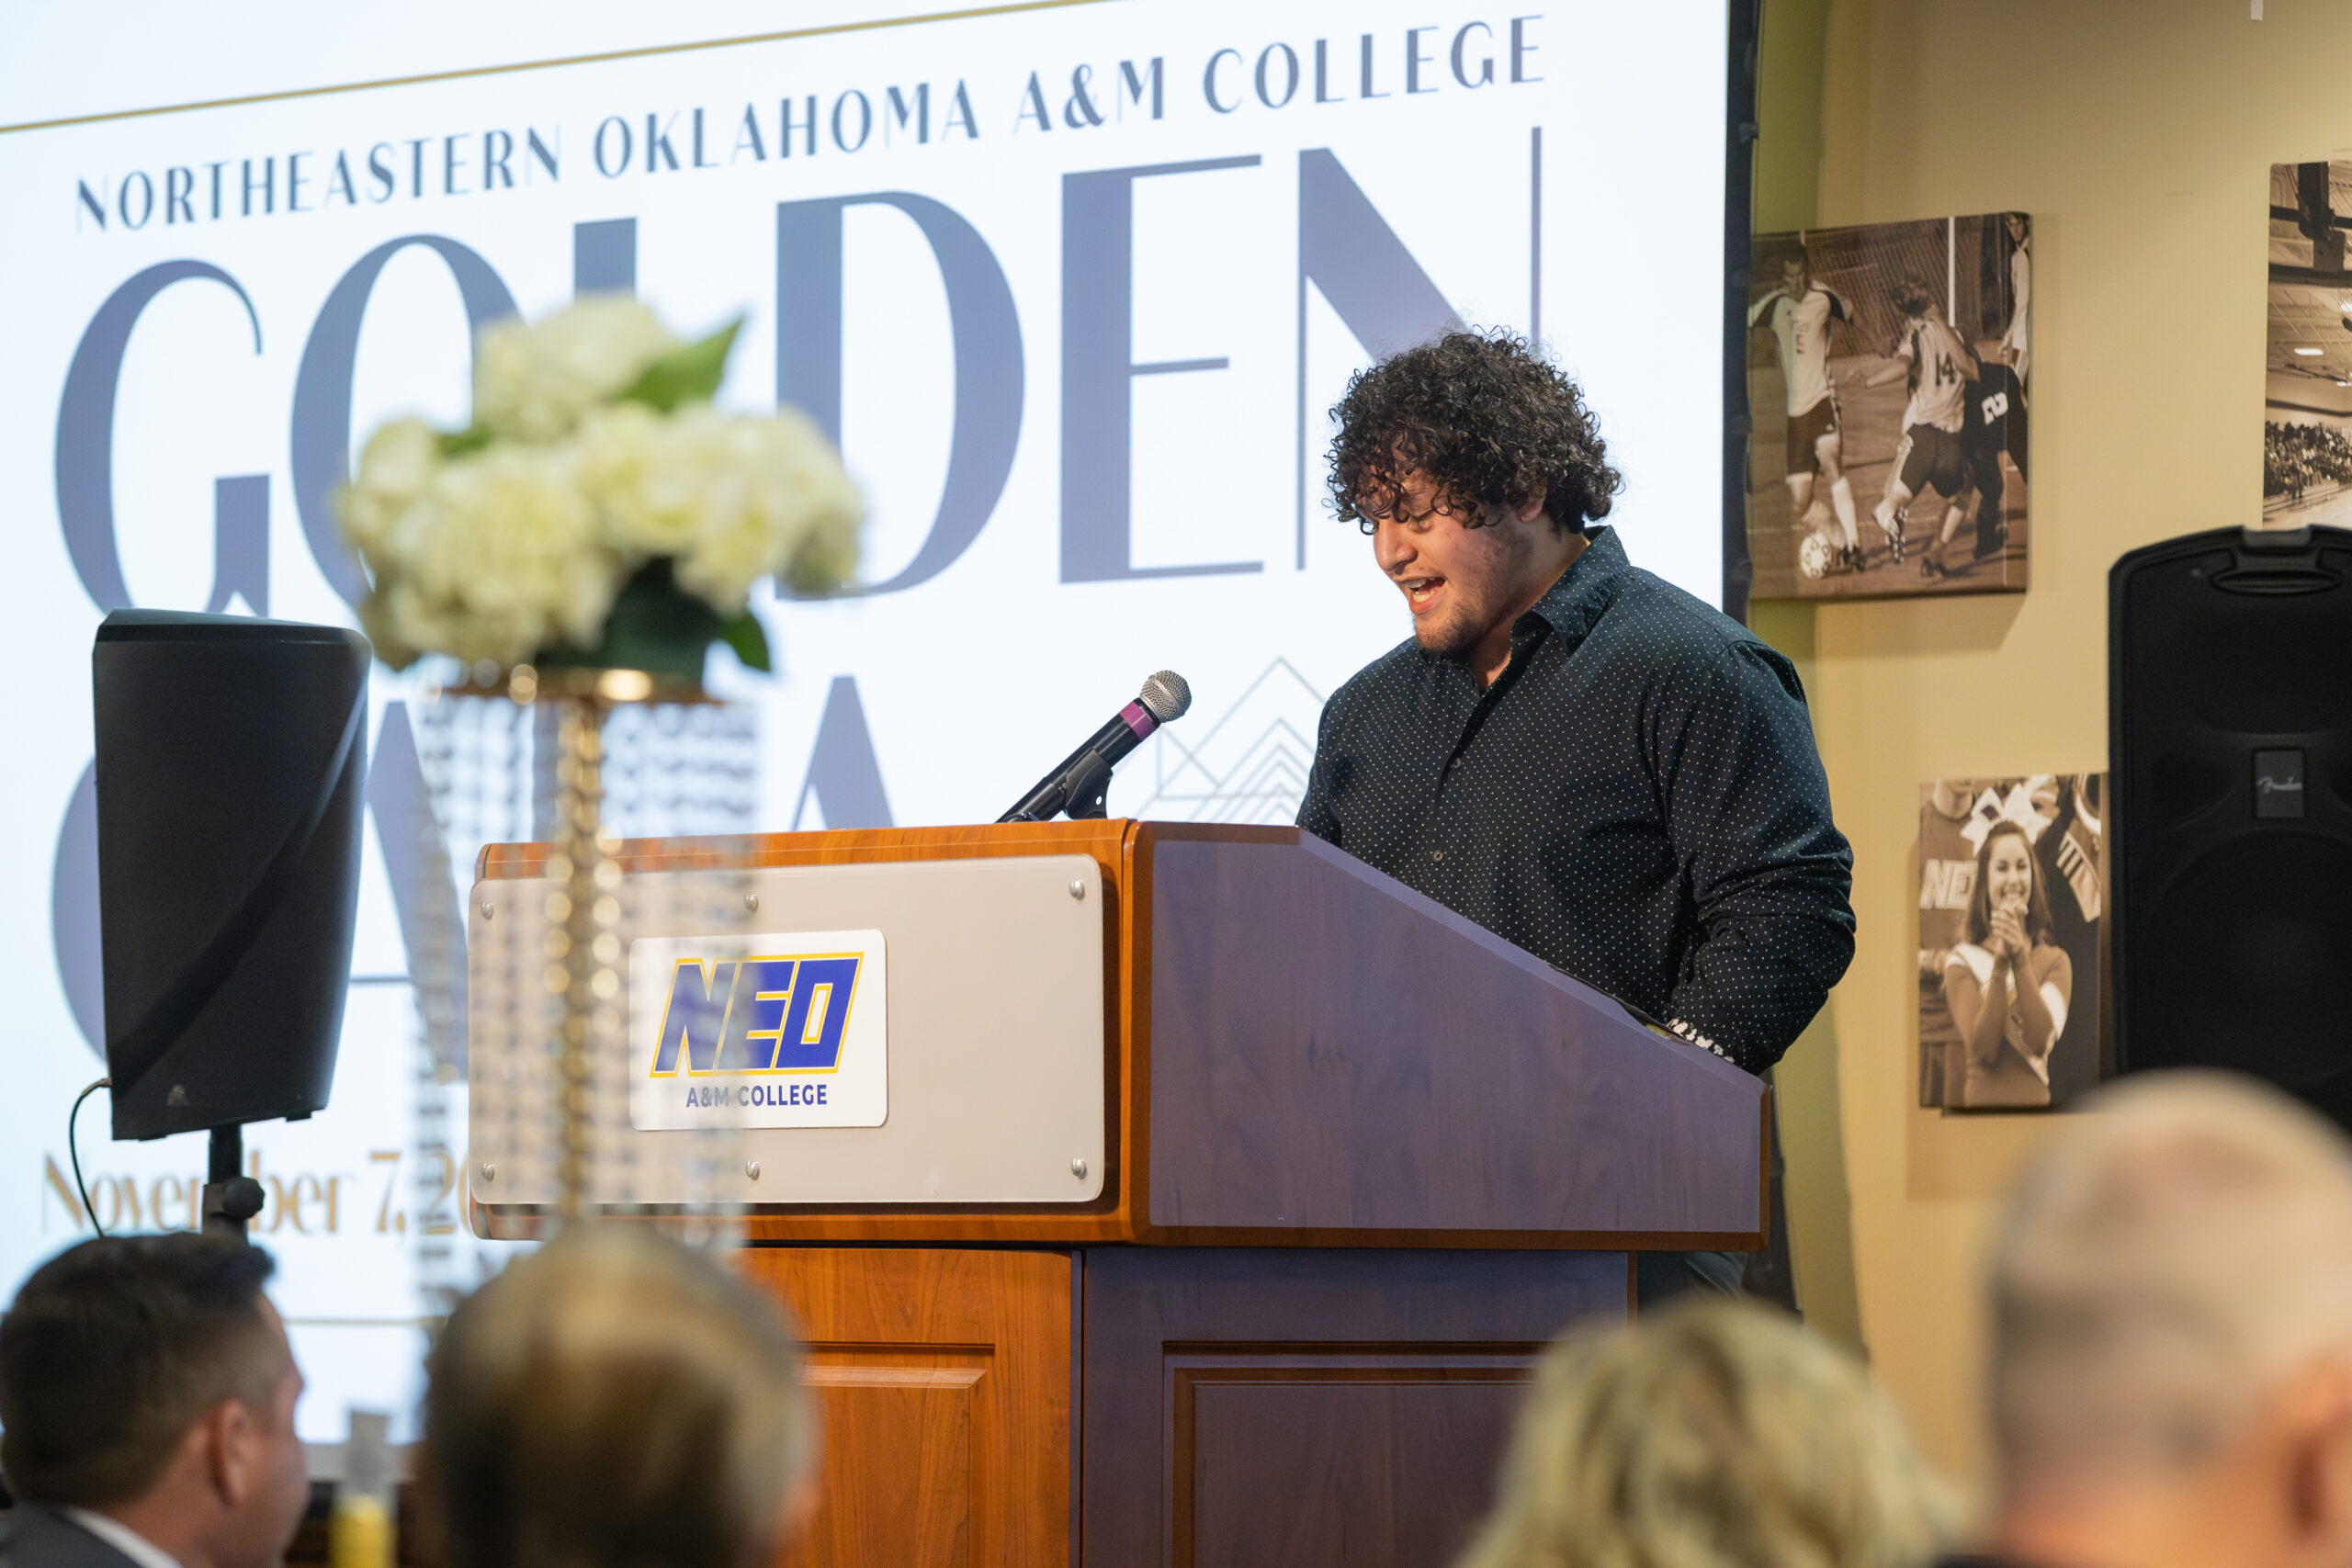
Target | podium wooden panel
(1335,1059)
(1250,1405)
(1362,1160)
(943,1379)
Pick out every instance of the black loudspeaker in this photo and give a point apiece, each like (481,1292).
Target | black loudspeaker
(2230,756)
(231,791)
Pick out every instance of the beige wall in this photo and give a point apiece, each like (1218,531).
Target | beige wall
(2138,133)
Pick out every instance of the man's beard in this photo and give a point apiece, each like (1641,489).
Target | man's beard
(1455,633)
(1472,614)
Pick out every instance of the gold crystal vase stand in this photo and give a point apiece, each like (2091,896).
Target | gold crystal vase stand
(583,976)
(583,948)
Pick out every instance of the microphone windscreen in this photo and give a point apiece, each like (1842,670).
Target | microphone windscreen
(1167,697)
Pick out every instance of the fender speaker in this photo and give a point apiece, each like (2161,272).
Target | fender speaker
(2230,753)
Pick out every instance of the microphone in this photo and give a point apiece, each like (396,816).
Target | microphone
(1078,781)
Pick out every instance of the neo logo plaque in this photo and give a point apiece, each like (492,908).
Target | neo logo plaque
(786,1029)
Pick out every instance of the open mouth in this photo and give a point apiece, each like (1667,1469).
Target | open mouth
(1420,593)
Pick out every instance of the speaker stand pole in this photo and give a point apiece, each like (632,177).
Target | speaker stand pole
(230,1197)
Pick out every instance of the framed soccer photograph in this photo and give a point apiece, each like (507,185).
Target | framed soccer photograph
(2307,390)
(1888,375)
(2012,894)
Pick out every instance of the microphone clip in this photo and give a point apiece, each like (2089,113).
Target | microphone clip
(1077,792)
(1084,787)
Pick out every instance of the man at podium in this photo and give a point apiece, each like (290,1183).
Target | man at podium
(1569,751)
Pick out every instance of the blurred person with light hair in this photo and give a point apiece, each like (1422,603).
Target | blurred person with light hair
(616,1401)
(2171,1372)
(1717,1434)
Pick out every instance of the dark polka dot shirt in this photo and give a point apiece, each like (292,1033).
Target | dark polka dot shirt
(1637,800)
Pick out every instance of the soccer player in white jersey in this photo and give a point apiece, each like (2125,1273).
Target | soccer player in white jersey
(2017,344)
(1939,367)
(1802,314)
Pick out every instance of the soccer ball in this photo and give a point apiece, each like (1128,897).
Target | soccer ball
(1816,555)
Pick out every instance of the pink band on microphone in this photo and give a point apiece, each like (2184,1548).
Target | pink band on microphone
(1139,719)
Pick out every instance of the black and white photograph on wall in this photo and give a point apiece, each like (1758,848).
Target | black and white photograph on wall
(2012,886)
(1888,372)
(2307,388)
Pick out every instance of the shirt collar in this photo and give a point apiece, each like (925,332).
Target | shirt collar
(1575,604)
(123,1538)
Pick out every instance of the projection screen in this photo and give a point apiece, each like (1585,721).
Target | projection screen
(1074,284)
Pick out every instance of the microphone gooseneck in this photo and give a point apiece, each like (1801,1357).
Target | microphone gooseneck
(1076,783)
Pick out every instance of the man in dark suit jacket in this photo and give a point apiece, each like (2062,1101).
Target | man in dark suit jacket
(147,1396)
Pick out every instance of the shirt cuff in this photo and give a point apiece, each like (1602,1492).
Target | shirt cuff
(1694,1037)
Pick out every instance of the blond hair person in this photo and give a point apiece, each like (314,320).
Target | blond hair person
(2171,1372)
(616,1401)
(1717,1434)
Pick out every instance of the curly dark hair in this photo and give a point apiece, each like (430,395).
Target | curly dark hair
(1484,418)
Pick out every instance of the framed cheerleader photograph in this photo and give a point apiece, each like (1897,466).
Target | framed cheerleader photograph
(2012,892)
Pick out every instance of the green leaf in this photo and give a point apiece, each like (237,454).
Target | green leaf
(686,375)
(463,443)
(749,639)
(655,626)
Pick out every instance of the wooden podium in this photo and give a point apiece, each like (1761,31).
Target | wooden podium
(1360,1159)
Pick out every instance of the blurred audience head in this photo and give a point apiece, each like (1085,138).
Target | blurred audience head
(616,1401)
(2171,1375)
(1715,1435)
(147,1377)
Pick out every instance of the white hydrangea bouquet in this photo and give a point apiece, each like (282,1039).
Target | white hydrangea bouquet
(598,512)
